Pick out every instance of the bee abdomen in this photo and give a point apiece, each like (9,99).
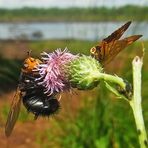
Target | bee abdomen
(40,106)
(35,100)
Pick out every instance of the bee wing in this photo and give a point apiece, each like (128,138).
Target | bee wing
(13,113)
(117,33)
(110,50)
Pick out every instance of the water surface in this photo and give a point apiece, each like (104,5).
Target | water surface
(64,30)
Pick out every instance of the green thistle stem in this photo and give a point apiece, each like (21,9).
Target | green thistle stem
(112,79)
(135,102)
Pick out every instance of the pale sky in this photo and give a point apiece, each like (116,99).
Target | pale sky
(68,3)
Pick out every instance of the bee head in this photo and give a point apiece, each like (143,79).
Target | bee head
(30,64)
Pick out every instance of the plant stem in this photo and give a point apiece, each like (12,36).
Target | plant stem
(113,79)
(135,102)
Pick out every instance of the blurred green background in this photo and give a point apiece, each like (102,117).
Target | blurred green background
(87,119)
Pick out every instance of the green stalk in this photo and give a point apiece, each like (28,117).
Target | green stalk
(135,102)
(112,79)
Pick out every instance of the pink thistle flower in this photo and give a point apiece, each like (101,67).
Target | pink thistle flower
(52,71)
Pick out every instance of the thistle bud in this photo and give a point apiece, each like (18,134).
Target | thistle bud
(84,72)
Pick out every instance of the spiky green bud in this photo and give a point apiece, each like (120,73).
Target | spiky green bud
(84,72)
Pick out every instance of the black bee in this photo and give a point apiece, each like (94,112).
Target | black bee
(32,96)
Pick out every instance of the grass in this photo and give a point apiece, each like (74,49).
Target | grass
(9,73)
(129,12)
(75,46)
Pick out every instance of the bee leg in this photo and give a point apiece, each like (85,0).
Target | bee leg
(59,98)
(36,116)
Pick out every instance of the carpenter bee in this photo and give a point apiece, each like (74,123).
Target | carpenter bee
(31,94)
(109,47)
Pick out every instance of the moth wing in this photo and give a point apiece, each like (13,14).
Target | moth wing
(109,51)
(117,33)
(13,113)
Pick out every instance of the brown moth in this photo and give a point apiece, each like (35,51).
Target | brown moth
(109,47)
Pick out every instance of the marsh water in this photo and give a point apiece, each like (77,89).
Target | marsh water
(67,30)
